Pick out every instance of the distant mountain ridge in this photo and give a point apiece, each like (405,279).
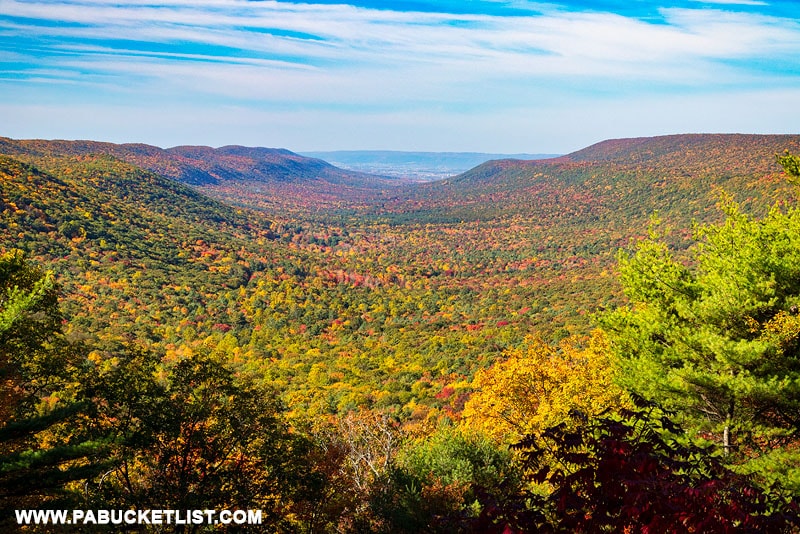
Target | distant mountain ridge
(682,148)
(725,154)
(678,174)
(201,165)
(635,175)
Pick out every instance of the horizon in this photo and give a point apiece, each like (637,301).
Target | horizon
(542,155)
(500,77)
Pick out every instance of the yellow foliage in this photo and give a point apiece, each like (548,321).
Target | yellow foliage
(784,327)
(538,385)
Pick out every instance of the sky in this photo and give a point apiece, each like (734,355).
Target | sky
(425,75)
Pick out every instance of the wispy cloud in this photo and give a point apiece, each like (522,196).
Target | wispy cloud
(734,2)
(359,59)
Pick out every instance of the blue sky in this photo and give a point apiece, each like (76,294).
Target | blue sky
(439,75)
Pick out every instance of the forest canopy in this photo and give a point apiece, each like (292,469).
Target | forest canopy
(387,371)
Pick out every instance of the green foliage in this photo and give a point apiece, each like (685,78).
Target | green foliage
(29,313)
(791,166)
(193,436)
(29,321)
(437,483)
(716,338)
(38,370)
(450,456)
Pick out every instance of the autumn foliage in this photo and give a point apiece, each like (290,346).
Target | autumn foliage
(349,357)
(635,472)
(538,385)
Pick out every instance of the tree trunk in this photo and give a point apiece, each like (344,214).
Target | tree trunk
(726,432)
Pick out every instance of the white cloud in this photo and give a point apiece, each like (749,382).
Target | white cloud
(733,2)
(381,70)
(358,40)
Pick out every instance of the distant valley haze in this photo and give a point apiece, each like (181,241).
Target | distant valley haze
(418,166)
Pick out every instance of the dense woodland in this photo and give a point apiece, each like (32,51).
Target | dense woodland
(603,341)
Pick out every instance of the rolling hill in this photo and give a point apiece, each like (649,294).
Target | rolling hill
(368,313)
(275,180)
(615,179)
(122,239)
(344,296)
(202,165)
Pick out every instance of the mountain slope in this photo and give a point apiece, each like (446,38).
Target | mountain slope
(119,236)
(148,261)
(274,180)
(687,150)
(256,164)
(200,165)
(389,301)
(617,178)
(556,225)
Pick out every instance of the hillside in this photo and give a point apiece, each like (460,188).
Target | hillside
(273,180)
(679,174)
(255,164)
(370,325)
(97,196)
(551,229)
(373,290)
(727,153)
(122,238)
(335,317)
(201,165)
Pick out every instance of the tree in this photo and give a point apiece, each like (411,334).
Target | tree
(635,472)
(117,426)
(29,318)
(440,480)
(193,435)
(791,166)
(40,393)
(539,384)
(716,336)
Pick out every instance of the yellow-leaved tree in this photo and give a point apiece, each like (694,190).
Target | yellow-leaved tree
(538,385)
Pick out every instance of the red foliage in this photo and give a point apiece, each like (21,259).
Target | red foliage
(625,475)
(445,393)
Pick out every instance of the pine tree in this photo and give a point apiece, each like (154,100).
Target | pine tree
(717,336)
(37,395)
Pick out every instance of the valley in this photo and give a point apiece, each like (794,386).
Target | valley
(387,292)
(353,295)
(419,166)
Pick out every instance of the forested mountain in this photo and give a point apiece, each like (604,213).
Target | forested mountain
(728,153)
(273,179)
(613,179)
(548,228)
(267,314)
(202,165)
